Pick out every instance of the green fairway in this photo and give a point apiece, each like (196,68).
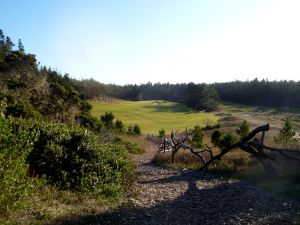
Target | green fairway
(152,116)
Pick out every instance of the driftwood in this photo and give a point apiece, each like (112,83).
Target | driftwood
(180,143)
(250,144)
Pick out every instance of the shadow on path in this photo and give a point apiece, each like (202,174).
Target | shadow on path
(207,200)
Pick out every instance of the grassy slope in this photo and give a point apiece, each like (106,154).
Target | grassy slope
(151,118)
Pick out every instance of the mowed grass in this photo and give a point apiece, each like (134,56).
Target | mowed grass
(153,116)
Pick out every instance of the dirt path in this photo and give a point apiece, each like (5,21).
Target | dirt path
(169,196)
(179,197)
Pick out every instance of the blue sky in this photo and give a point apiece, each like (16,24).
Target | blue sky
(173,41)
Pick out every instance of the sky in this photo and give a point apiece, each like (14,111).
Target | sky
(175,41)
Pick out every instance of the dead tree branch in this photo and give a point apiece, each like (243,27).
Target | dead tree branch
(250,144)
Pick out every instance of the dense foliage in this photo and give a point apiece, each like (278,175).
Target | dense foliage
(202,96)
(197,96)
(264,92)
(47,134)
(223,140)
(15,145)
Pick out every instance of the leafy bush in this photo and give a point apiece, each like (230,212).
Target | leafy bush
(75,159)
(17,107)
(15,144)
(87,120)
(70,158)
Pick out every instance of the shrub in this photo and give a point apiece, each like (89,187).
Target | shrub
(227,140)
(130,130)
(15,144)
(211,127)
(107,119)
(197,137)
(243,129)
(119,126)
(70,158)
(134,130)
(75,159)
(162,133)
(215,137)
(87,120)
(137,129)
(285,133)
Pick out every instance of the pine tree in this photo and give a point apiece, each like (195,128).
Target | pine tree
(8,44)
(2,39)
(285,133)
(21,46)
(243,129)
(197,137)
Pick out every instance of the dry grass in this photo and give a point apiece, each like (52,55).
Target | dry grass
(53,206)
(140,141)
(232,163)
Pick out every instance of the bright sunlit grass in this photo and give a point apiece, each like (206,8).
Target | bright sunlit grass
(153,116)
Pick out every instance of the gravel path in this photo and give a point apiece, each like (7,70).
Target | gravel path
(182,197)
(169,196)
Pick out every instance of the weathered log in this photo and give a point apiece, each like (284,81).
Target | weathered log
(250,144)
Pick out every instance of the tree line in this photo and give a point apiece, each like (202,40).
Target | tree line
(197,96)
(201,96)
(265,93)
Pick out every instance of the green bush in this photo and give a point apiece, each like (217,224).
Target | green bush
(87,120)
(70,158)
(75,159)
(227,140)
(15,144)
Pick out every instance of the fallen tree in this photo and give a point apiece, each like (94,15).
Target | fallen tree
(253,144)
